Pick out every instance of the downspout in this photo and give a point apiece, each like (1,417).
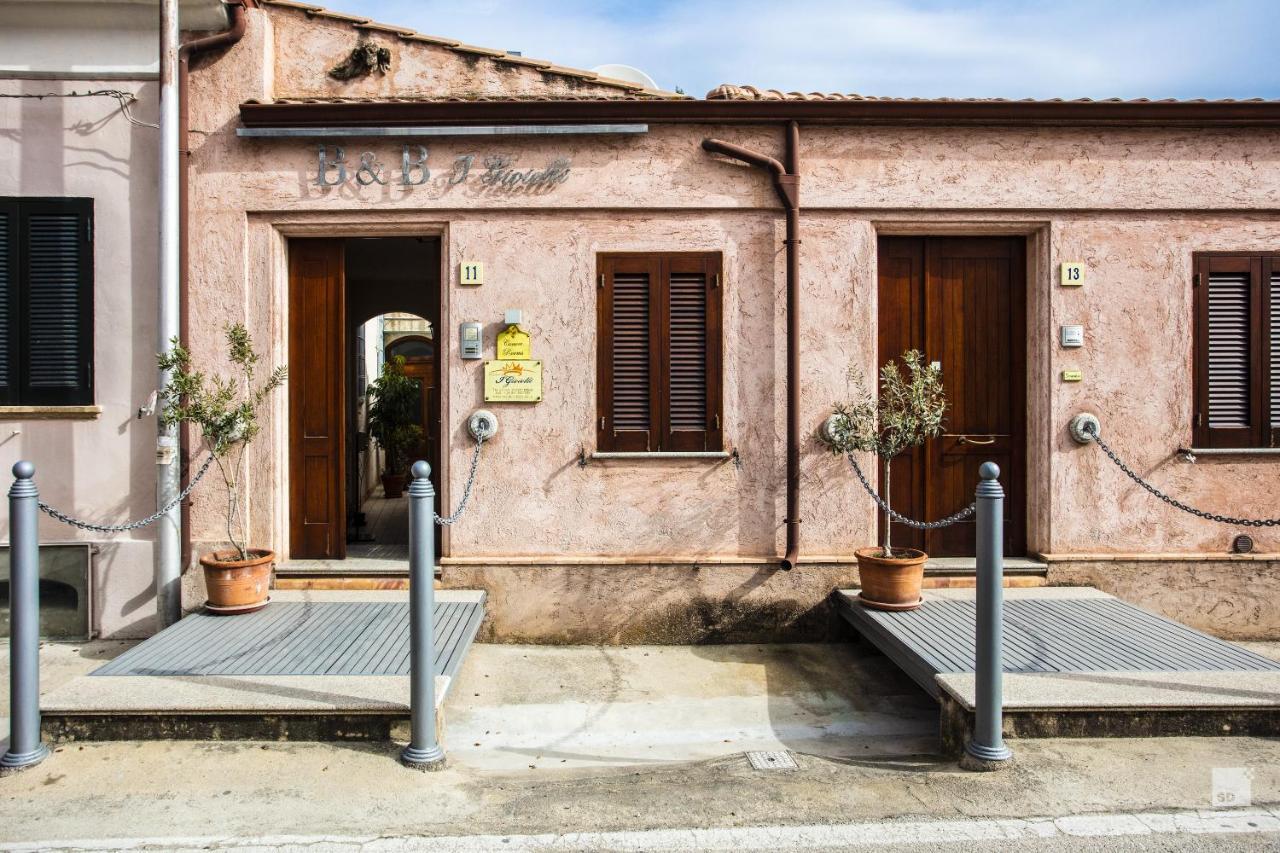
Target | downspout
(168,554)
(173,538)
(786,182)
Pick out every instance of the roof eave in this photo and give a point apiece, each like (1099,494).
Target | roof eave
(1062,113)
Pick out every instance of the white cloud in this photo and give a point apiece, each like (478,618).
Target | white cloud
(926,48)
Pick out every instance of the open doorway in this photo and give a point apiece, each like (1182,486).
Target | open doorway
(356,305)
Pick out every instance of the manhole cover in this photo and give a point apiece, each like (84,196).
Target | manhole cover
(776,760)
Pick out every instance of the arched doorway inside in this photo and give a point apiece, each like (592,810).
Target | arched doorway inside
(391,348)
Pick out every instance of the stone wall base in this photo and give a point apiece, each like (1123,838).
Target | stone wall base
(656,603)
(1231,598)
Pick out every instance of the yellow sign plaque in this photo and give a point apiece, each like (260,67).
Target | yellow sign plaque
(514,344)
(1072,274)
(1072,375)
(513,381)
(471,273)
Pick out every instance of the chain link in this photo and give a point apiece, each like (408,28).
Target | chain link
(466,490)
(133,525)
(910,522)
(1090,429)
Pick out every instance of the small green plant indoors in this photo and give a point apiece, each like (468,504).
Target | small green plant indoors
(394,401)
(225,409)
(908,410)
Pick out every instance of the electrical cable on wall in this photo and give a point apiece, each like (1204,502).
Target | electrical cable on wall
(124,99)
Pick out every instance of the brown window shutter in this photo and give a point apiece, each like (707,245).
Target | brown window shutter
(691,380)
(1229,349)
(628,362)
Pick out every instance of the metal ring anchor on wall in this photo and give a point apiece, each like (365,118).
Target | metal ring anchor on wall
(1084,428)
(483,425)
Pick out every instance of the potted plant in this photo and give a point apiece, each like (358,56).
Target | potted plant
(394,410)
(225,411)
(908,410)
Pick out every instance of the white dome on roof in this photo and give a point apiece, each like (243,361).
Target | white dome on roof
(626,72)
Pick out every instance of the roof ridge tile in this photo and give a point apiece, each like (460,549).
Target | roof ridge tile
(732,92)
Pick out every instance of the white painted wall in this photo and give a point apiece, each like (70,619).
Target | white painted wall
(106,39)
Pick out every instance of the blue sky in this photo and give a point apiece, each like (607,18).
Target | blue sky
(925,48)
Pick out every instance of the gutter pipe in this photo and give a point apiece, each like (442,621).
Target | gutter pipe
(168,554)
(786,182)
(173,538)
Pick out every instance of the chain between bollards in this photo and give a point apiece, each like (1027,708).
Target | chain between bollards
(986,749)
(25,747)
(423,751)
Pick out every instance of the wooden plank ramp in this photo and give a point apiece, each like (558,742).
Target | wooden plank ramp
(310,666)
(302,638)
(1079,662)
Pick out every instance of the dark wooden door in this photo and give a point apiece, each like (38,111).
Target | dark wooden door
(317,511)
(962,302)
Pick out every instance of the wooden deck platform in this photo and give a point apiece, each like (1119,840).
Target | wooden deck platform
(310,666)
(1077,662)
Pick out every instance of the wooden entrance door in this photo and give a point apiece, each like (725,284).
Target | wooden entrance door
(960,301)
(317,523)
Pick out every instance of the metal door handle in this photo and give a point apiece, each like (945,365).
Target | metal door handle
(964,439)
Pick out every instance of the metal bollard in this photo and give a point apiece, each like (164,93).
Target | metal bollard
(986,750)
(25,747)
(423,752)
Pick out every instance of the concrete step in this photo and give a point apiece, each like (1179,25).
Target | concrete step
(971,581)
(968,567)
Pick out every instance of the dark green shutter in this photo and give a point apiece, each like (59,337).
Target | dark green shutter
(8,301)
(54,305)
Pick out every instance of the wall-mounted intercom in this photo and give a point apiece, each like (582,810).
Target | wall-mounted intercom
(471,340)
(1071,336)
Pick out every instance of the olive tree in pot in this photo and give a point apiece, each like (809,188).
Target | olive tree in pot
(394,407)
(908,410)
(224,409)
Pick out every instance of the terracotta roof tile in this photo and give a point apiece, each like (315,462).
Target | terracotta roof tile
(307,99)
(728,92)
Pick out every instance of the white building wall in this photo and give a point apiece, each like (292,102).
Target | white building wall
(97,464)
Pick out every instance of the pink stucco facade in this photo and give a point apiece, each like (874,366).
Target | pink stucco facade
(684,549)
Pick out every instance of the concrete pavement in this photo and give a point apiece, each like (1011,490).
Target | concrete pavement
(847,787)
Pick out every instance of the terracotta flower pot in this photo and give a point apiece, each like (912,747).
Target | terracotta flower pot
(237,586)
(392,485)
(891,583)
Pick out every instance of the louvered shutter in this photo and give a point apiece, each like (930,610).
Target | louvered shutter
(9,228)
(628,362)
(691,379)
(1229,400)
(1271,274)
(658,367)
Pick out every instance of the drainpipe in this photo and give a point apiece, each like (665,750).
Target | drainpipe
(786,182)
(168,558)
(171,538)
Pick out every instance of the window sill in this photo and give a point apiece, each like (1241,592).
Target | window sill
(712,454)
(1230,451)
(50,413)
